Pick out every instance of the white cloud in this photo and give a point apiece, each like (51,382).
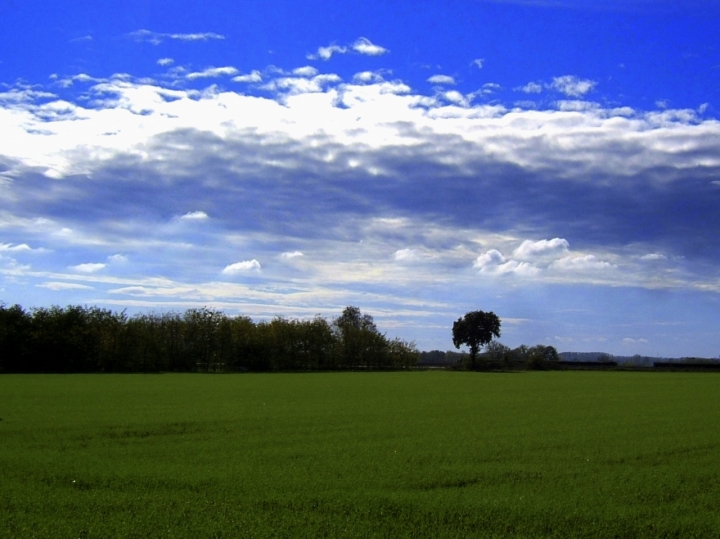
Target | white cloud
(327,52)
(291,254)
(543,249)
(254,76)
(242,267)
(302,85)
(407,255)
(572,86)
(478,62)
(456,97)
(305,71)
(57,286)
(361,46)
(365,46)
(494,263)
(165,61)
(88,268)
(490,88)
(117,259)
(15,248)
(194,216)
(653,256)
(212,72)
(441,79)
(531,88)
(373,119)
(581,263)
(367,77)
(155,38)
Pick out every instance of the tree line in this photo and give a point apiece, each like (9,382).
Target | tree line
(496,356)
(77,339)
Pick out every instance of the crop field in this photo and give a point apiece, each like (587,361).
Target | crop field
(398,454)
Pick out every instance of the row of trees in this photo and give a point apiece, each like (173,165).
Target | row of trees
(90,339)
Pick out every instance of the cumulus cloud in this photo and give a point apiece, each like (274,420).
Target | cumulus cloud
(364,46)
(441,79)
(242,267)
(361,46)
(543,249)
(88,267)
(117,259)
(478,62)
(533,258)
(305,71)
(572,86)
(531,88)
(289,255)
(494,263)
(212,72)
(165,61)
(367,77)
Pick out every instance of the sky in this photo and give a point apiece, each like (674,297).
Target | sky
(556,162)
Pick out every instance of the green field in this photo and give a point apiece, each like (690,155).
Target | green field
(400,454)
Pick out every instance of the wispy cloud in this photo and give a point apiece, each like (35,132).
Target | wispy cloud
(155,38)
(569,85)
(254,76)
(57,286)
(212,72)
(88,267)
(194,216)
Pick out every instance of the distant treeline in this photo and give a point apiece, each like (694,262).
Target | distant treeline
(77,339)
(496,356)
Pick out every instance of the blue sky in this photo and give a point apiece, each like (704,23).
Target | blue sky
(555,162)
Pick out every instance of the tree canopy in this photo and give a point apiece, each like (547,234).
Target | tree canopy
(475,329)
(89,339)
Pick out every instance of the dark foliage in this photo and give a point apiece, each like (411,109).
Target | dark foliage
(475,329)
(88,339)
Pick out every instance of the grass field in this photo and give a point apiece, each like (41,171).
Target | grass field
(402,454)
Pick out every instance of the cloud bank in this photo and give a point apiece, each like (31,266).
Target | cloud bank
(360,191)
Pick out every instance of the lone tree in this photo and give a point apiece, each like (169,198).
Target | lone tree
(475,329)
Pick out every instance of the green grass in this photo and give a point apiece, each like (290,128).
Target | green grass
(414,454)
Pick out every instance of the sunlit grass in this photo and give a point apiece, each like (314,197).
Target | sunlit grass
(421,454)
